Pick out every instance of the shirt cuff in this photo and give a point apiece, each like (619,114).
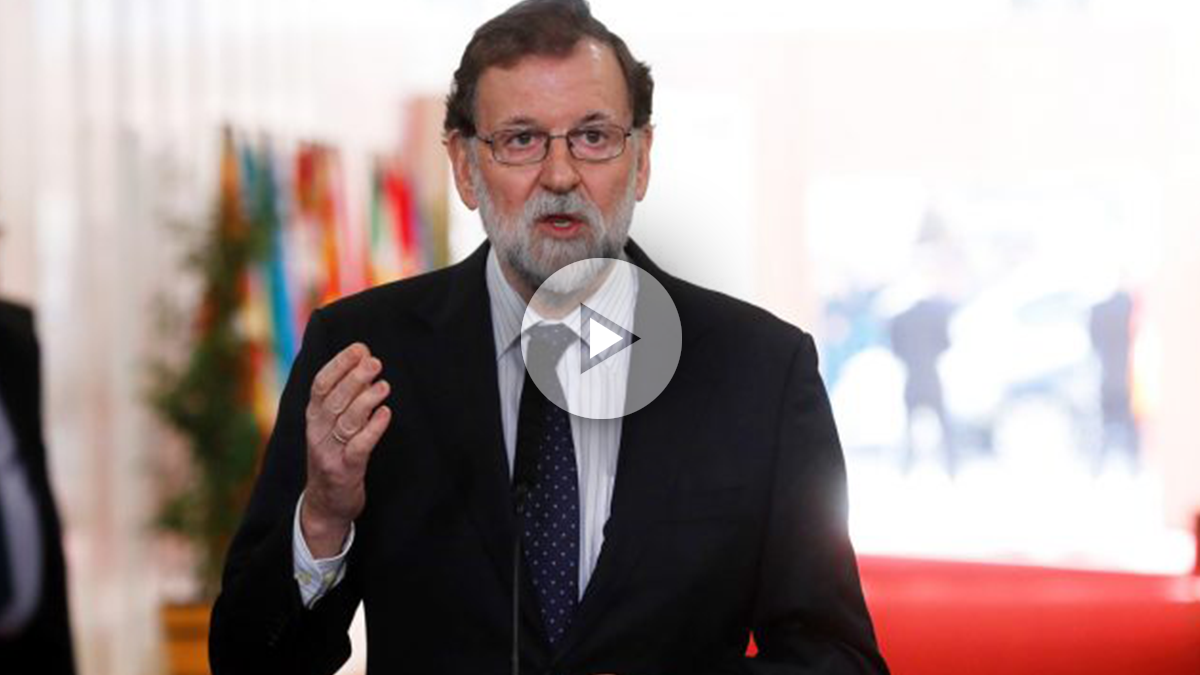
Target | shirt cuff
(316,577)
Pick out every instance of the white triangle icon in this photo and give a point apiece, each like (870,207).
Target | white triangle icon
(601,338)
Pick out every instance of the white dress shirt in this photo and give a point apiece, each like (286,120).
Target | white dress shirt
(597,441)
(23,536)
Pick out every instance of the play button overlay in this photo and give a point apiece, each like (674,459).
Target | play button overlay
(602,338)
(623,343)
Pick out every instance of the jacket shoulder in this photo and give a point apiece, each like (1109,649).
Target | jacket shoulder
(734,322)
(14,314)
(16,323)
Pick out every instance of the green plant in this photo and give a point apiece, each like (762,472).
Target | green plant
(207,399)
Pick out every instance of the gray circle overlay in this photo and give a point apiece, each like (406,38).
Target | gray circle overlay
(646,338)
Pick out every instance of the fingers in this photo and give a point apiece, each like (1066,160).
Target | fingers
(336,369)
(351,385)
(336,386)
(355,417)
(358,450)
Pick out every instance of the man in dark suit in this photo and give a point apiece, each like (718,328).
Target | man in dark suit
(654,544)
(35,634)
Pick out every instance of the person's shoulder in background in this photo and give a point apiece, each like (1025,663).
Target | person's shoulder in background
(15,318)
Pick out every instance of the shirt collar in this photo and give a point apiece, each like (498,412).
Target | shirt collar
(616,300)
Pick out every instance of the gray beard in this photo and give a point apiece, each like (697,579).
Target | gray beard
(536,260)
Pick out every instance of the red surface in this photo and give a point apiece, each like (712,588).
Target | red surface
(936,618)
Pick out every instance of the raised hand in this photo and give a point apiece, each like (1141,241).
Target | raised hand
(343,423)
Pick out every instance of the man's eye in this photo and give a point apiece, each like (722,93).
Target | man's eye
(594,136)
(522,139)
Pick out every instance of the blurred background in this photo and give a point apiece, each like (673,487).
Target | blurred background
(986,211)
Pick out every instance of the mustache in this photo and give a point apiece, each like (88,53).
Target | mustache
(544,204)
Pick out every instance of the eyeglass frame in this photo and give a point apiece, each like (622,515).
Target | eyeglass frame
(626,134)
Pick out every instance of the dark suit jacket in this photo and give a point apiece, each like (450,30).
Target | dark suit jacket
(728,511)
(44,646)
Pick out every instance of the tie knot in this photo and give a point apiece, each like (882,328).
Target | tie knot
(549,341)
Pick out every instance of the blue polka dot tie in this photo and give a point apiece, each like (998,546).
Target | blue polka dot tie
(546,458)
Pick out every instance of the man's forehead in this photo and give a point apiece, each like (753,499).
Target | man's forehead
(586,84)
(587,117)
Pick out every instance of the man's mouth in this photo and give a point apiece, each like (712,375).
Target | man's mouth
(562,224)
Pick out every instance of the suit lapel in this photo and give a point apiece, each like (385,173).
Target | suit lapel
(467,397)
(651,449)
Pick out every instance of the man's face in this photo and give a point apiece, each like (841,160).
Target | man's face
(544,216)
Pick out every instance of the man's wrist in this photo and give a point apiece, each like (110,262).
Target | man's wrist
(323,536)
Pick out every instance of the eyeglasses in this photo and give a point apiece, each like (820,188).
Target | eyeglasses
(593,143)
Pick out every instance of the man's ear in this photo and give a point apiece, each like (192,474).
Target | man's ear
(643,160)
(457,146)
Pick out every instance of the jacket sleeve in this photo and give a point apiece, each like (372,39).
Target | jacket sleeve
(48,634)
(809,614)
(259,623)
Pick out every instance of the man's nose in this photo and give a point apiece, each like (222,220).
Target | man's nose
(559,173)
